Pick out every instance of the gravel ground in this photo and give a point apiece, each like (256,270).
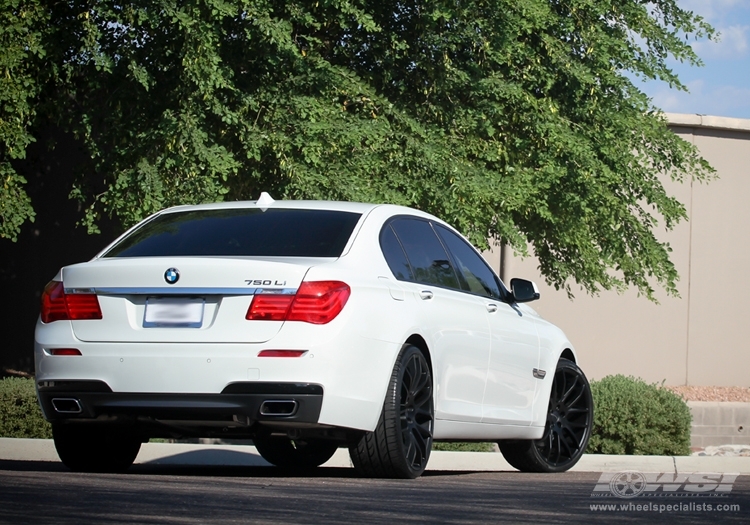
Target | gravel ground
(723,450)
(712,393)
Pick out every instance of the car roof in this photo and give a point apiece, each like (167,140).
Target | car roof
(354,207)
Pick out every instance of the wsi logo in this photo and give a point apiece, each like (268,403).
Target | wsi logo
(632,484)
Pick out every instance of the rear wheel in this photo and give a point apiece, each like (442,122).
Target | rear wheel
(570,418)
(400,445)
(87,448)
(295,453)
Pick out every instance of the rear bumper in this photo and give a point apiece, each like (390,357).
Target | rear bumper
(239,404)
(352,370)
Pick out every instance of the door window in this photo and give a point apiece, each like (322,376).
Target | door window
(477,278)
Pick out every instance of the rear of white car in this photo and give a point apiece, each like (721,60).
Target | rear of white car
(235,339)
(290,323)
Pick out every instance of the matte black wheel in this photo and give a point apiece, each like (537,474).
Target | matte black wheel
(295,453)
(88,448)
(400,445)
(570,418)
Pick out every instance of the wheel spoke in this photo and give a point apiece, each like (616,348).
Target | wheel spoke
(578,398)
(567,444)
(557,447)
(577,424)
(565,396)
(563,385)
(424,431)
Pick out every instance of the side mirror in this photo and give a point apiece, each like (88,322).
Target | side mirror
(523,291)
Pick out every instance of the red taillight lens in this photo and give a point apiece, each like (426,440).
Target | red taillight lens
(53,303)
(317,302)
(282,353)
(269,307)
(59,306)
(65,351)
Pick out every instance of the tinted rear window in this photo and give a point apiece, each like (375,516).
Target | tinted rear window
(241,232)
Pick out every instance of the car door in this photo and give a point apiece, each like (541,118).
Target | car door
(454,323)
(514,349)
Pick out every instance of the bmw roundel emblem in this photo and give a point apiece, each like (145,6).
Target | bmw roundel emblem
(172,275)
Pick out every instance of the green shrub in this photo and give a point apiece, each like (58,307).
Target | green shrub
(20,415)
(634,417)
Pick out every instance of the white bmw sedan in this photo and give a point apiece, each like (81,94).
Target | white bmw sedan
(304,326)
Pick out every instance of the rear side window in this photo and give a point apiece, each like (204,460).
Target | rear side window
(427,257)
(277,232)
(394,255)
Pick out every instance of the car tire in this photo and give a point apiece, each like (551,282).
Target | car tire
(86,448)
(400,445)
(295,453)
(570,418)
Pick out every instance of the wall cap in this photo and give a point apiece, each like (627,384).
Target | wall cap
(707,121)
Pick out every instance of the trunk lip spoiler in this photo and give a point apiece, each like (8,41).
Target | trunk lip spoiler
(163,290)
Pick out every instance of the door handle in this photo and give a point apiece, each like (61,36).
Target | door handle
(425,295)
(491,307)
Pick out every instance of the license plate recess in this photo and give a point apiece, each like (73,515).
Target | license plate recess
(173,312)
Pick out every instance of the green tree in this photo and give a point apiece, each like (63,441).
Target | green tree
(21,78)
(512,119)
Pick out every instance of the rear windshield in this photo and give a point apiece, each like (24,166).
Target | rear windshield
(241,232)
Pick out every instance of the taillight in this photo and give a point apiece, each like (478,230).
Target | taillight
(59,306)
(316,302)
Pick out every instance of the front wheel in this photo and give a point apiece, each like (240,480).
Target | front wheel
(400,445)
(570,418)
(295,453)
(89,448)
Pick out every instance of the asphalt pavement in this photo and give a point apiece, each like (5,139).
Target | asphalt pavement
(220,455)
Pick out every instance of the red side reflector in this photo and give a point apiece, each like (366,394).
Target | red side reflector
(64,351)
(59,306)
(316,302)
(282,353)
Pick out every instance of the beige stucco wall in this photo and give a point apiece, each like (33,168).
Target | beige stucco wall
(699,338)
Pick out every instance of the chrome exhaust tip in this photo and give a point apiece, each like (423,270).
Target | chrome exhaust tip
(278,407)
(66,405)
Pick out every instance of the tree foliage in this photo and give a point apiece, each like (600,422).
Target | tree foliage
(21,78)
(511,119)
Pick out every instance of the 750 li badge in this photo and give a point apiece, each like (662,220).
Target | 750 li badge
(264,282)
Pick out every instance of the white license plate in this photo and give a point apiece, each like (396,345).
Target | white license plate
(173,312)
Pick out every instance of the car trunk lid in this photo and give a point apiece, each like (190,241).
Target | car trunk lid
(185,299)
